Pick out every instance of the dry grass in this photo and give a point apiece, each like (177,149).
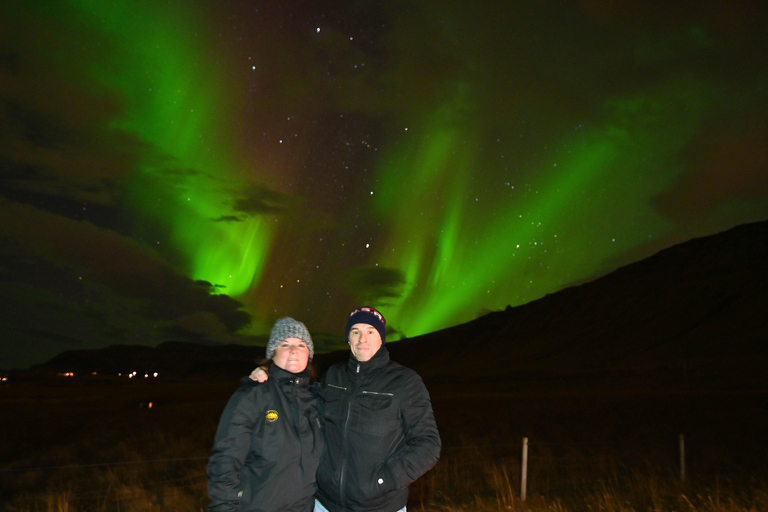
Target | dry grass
(473,482)
(80,448)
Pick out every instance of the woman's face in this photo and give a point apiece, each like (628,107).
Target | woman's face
(292,355)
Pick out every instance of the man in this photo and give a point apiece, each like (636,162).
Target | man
(380,431)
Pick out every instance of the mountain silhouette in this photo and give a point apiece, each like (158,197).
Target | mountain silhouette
(691,315)
(694,313)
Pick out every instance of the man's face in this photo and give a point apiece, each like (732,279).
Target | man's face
(291,354)
(364,341)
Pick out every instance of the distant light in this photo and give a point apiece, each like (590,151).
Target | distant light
(149,405)
(146,375)
(155,374)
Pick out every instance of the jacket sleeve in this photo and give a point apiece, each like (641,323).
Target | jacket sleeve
(230,449)
(421,447)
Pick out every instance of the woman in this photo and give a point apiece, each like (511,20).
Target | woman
(268,442)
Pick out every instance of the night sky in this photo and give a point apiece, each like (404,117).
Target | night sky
(193,170)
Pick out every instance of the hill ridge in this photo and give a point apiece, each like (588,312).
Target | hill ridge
(696,308)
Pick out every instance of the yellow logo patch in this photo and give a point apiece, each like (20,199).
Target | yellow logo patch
(271,416)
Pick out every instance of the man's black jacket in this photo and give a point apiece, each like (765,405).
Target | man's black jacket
(380,434)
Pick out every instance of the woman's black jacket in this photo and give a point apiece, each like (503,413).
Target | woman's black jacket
(267,447)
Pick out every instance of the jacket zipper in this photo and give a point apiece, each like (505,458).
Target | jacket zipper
(295,412)
(345,452)
(376,393)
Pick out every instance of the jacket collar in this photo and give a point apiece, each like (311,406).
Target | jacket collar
(277,373)
(379,359)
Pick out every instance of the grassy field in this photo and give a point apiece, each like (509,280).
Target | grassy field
(108,444)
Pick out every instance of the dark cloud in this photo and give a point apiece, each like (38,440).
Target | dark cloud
(205,324)
(229,218)
(725,17)
(376,285)
(72,280)
(728,161)
(58,149)
(258,200)
(41,188)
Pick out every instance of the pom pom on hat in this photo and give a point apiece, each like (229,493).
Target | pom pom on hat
(286,328)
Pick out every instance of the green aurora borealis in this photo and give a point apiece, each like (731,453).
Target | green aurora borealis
(176,103)
(433,160)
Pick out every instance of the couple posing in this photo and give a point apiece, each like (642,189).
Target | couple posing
(353,441)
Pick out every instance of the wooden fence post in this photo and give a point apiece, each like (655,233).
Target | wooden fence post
(524,470)
(682,457)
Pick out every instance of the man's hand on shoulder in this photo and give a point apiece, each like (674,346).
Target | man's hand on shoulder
(259,374)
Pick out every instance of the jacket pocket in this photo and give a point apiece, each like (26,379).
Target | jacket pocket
(374,486)
(379,414)
(331,403)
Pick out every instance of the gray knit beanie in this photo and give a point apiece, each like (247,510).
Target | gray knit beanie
(286,328)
